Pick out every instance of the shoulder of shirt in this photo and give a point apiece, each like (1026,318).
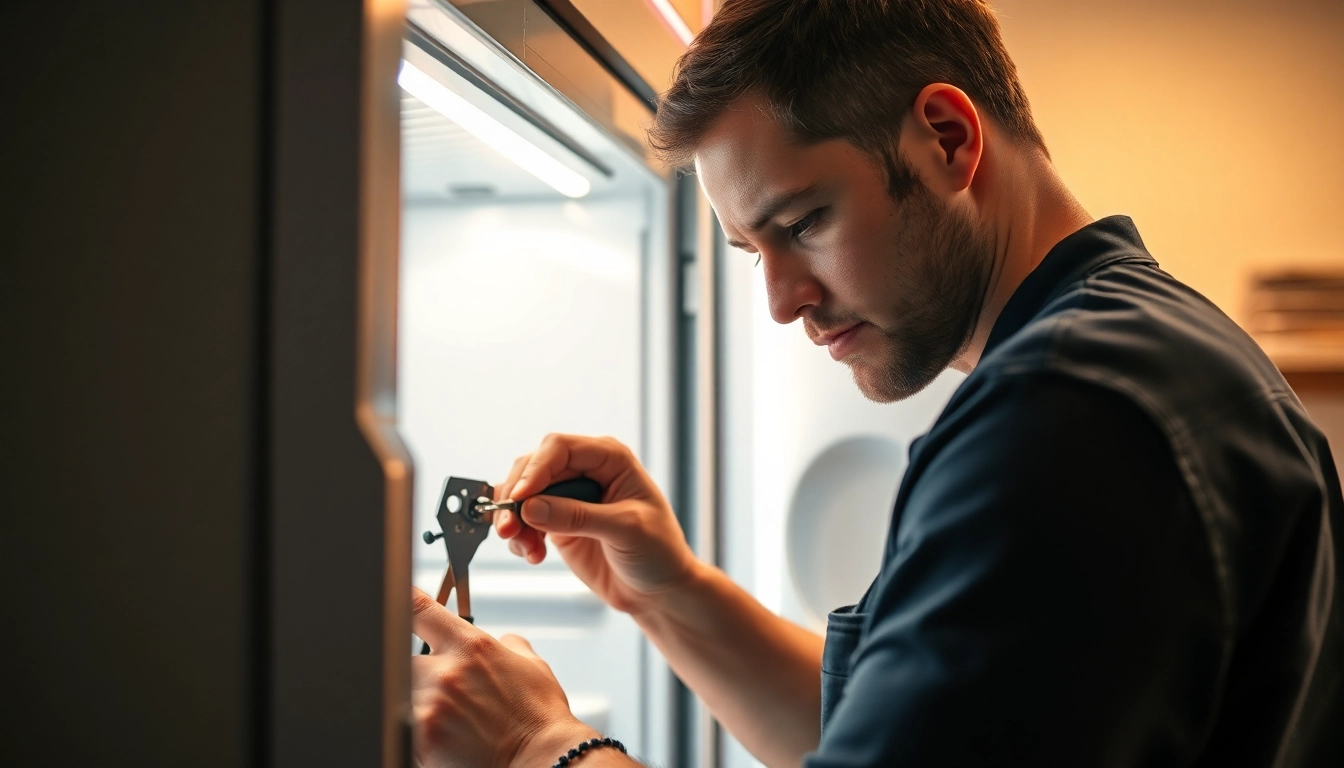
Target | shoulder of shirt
(1130,328)
(1133,329)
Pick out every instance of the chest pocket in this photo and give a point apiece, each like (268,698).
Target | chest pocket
(842,637)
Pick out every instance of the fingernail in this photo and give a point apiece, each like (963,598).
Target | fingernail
(515,547)
(537,511)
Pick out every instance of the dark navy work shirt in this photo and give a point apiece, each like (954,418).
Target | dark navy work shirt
(1119,545)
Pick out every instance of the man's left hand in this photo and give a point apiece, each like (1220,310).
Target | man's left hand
(484,702)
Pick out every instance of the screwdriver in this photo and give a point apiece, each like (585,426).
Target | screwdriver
(579,489)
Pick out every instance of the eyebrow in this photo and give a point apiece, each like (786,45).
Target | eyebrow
(772,208)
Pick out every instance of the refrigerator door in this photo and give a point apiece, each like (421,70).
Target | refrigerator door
(535,297)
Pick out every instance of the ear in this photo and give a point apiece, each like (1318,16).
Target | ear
(943,138)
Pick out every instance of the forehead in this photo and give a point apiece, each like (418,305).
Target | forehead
(747,157)
(746,146)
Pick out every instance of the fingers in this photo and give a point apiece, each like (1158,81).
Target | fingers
(438,626)
(507,524)
(561,457)
(523,541)
(530,544)
(553,514)
(504,489)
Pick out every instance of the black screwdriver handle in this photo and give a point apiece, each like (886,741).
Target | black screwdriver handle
(580,489)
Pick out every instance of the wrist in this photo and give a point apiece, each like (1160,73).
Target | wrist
(678,601)
(543,748)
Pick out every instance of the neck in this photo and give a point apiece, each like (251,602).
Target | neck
(1028,210)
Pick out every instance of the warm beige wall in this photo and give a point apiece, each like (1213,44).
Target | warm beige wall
(633,28)
(1217,125)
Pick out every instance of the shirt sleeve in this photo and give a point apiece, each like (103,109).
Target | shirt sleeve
(1049,600)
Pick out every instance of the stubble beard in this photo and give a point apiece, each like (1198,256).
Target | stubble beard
(946,264)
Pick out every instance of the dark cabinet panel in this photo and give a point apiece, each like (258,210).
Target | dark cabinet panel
(131,281)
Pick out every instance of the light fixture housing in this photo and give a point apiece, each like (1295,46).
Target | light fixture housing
(493,133)
(673,20)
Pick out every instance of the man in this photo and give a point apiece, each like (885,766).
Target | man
(1116,546)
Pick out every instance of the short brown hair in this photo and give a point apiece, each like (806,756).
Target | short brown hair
(840,69)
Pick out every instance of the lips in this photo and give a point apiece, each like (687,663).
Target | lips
(825,339)
(840,343)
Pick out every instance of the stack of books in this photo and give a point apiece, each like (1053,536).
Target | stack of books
(1298,318)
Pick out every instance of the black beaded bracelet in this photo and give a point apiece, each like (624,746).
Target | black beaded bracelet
(574,753)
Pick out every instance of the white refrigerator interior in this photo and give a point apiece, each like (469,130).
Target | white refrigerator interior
(525,310)
(510,332)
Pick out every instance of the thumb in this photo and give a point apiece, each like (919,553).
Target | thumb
(556,514)
(436,625)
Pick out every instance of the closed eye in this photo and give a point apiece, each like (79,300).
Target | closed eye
(801,226)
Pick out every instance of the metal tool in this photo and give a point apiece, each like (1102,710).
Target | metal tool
(466,512)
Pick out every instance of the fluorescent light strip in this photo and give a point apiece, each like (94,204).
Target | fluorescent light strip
(498,136)
(673,20)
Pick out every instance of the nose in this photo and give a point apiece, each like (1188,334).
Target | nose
(789,285)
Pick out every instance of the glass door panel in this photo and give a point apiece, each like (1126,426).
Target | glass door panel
(530,242)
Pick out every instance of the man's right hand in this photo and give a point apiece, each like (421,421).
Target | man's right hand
(629,549)
(759,674)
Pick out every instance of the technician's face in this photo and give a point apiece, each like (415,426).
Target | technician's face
(892,287)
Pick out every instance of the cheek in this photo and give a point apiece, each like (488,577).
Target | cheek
(862,270)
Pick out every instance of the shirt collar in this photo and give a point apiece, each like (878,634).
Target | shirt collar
(1097,244)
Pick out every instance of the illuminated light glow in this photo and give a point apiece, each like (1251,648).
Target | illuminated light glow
(769,453)
(493,133)
(673,20)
